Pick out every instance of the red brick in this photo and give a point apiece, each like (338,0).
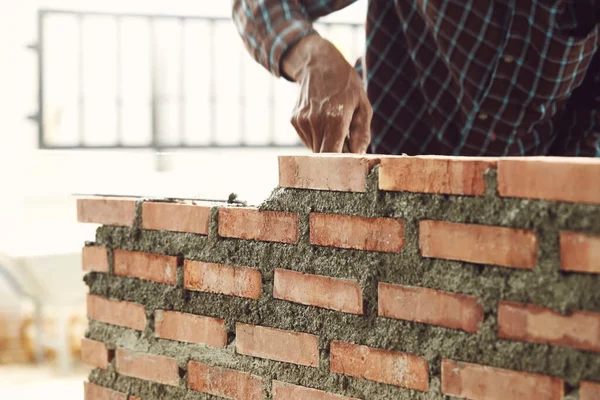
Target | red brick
(122,313)
(148,367)
(151,267)
(589,391)
(176,217)
(94,353)
(227,383)
(95,392)
(532,323)
(224,279)
(319,291)
(480,244)
(346,173)
(350,232)
(252,224)
(550,178)
(190,328)
(435,174)
(579,252)
(94,258)
(393,368)
(429,306)
(276,344)
(119,211)
(478,382)
(287,391)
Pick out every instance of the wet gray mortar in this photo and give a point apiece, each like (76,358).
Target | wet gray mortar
(545,286)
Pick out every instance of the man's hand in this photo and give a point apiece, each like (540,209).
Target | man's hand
(333,104)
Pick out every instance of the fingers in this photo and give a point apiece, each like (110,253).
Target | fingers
(303,129)
(360,128)
(334,132)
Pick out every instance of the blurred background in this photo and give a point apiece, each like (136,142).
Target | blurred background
(132,97)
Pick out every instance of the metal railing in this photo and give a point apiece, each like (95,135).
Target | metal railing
(137,81)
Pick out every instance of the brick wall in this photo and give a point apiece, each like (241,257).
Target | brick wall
(359,278)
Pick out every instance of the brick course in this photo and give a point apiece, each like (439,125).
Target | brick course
(276,344)
(430,306)
(287,391)
(372,234)
(95,353)
(148,367)
(589,391)
(550,178)
(531,323)
(478,244)
(107,210)
(252,224)
(94,258)
(152,267)
(479,382)
(319,291)
(224,279)
(95,392)
(433,174)
(122,313)
(227,383)
(579,252)
(394,368)
(190,328)
(177,217)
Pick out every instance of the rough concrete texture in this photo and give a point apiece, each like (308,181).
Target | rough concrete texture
(545,286)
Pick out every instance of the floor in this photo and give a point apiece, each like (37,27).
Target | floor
(29,382)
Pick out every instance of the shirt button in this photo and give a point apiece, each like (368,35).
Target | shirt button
(483,116)
(508,59)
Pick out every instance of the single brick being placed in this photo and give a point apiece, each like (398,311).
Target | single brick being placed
(224,279)
(345,173)
(122,313)
(118,211)
(435,174)
(148,367)
(176,217)
(479,382)
(394,368)
(276,344)
(252,224)
(360,233)
(589,390)
(222,382)
(95,392)
(532,323)
(550,178)
(151,267)
(429,306)
(95,353)
(190,328)
(480,244)
(287,391)
(319,291)
(94,258)
(579,252)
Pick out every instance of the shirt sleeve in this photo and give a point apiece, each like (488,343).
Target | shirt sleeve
(270,27)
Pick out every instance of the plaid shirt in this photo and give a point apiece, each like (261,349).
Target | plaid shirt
(461,77)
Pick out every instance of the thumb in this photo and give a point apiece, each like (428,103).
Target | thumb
(360,128)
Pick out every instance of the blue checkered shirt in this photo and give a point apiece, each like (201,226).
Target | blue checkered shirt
(461,77)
